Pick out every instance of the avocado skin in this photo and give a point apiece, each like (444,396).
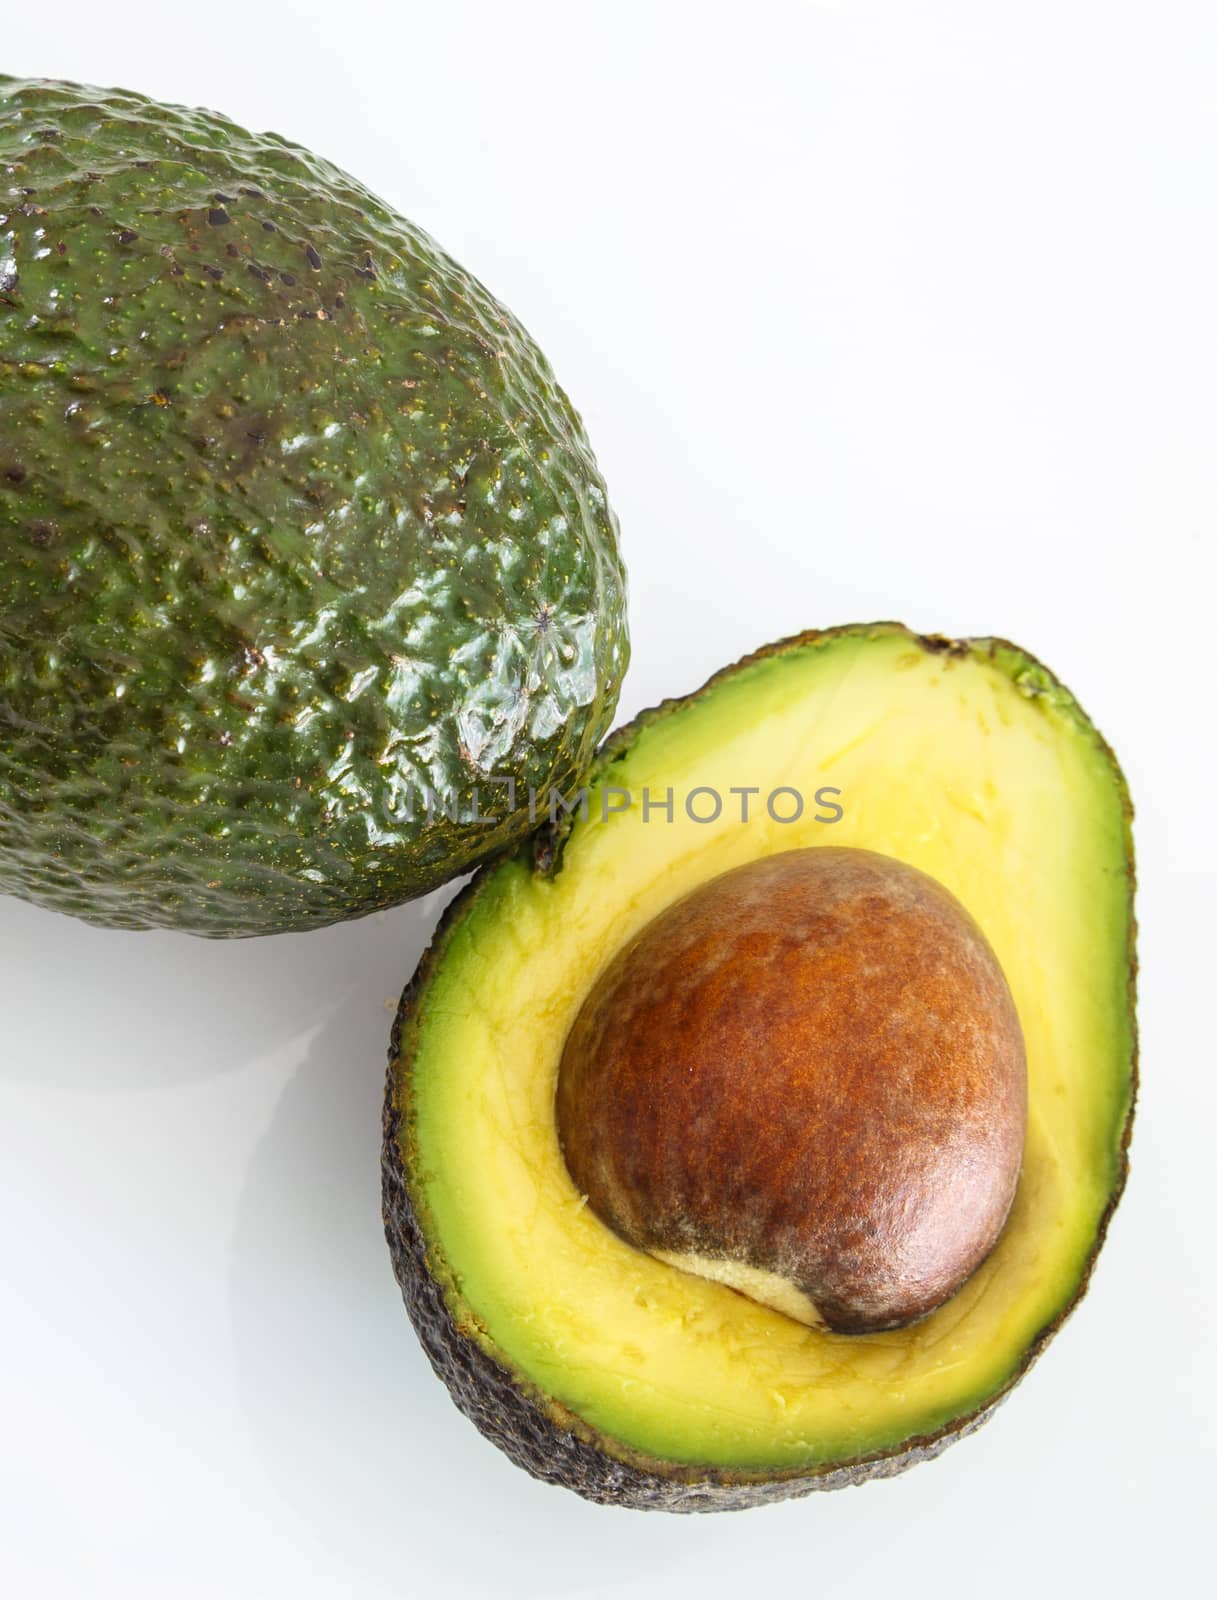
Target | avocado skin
(295,525)
(545,1438)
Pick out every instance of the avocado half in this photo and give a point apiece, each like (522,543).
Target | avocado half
(301,544)
(598,1367)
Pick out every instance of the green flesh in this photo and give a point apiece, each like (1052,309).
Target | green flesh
(295,525)
(972,764)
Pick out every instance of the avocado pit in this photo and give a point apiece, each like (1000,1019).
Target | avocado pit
(805,1080)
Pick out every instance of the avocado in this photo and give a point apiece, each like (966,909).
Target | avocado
(594,1364)
(307,571)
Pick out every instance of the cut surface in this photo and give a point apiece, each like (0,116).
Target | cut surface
(969,763)
(810,1068)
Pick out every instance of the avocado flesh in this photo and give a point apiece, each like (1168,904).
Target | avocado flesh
(969,762)
(295,526)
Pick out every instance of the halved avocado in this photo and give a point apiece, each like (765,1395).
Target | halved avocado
(591,1363)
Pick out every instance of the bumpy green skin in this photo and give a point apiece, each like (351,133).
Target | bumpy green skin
(543,1437)
(295,525)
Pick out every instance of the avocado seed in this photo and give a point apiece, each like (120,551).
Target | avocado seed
(805,1080)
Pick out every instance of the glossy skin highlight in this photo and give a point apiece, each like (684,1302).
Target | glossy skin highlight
(806,1079)
(295,523)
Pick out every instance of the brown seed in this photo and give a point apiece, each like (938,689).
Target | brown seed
(806,1080)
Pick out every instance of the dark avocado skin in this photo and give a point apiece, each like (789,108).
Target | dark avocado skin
(295,524)
(540,1435)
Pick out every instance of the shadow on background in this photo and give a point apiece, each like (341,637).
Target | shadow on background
(193,1008)
(352,1427)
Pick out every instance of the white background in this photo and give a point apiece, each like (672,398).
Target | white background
(873,310)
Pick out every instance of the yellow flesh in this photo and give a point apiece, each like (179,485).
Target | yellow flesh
(767,1288)
(1001,793)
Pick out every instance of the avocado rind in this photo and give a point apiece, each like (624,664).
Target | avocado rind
(301,544)
(540,1434)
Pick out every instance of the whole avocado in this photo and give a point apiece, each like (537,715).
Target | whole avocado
(307,571)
